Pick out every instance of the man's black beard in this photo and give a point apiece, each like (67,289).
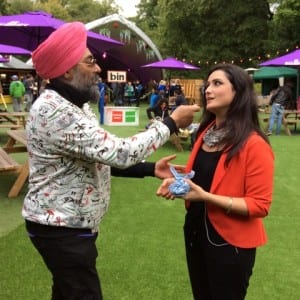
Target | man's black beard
(92,93)
(87,85)
(73,94)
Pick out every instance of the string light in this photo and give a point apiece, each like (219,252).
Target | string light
(254,60)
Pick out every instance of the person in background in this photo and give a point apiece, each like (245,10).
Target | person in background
(117,93)
(231,191)
(101,102)
(158,111)
(16,91)
(174,86)
(162,87)
(154,97)
(29,87)
(151,84)
(279,100)
(139,91)
(179,99)
(129,93)
(71,160)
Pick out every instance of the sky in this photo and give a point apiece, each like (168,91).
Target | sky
(128,7)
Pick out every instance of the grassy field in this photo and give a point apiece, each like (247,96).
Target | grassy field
(141,251)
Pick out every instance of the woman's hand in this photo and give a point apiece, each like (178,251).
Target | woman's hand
(196,192)
(162,167)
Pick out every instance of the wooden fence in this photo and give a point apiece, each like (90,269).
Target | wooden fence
(191,89)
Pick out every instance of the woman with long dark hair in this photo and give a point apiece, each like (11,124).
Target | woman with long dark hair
(231,191)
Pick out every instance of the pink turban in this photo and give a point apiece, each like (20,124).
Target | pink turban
(61,51)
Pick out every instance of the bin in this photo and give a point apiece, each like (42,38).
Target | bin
(121,115)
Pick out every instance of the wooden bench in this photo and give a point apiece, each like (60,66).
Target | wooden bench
(8,164)
(11,126)
(16,143)
(286,121)
(292,121)
(13,120)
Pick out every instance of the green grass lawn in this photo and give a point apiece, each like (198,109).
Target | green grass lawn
(141,250)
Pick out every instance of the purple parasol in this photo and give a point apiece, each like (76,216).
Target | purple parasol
(13,50)
(171,63)
(3,59)
(28,30)
(290,59)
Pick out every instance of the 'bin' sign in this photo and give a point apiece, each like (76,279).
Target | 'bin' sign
(116,76)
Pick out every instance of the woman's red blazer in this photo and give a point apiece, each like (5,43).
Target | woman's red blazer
(248,175)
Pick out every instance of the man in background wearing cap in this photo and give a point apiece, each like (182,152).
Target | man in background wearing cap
(71,160)
(16,91)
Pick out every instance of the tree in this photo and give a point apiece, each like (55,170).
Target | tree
(148,18)
(54,7)
(214,31)
(148,13)
(67,10)
(3,7)
(18,6)
(286,26)
(89,10)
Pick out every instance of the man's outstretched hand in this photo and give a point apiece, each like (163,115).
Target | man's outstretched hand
(183,115)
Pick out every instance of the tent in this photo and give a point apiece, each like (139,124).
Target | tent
(270,78)
(14,63)
(138,49)
(274,72)
(13,66)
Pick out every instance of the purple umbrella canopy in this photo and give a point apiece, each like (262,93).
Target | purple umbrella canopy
(29,29)
(3,59)
(171,63)
(13,50)
(290,59)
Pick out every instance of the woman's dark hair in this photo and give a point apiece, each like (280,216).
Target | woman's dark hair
(242,115)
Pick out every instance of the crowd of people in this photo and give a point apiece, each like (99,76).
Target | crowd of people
(133,92)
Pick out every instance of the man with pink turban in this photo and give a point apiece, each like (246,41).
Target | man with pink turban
(71,160)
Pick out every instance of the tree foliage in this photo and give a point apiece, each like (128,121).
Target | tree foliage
(3,7)
(286,25)
(89,10)
(68,10)
(54,7)
(11,7)
(206,32)
(214,30)
(202,32)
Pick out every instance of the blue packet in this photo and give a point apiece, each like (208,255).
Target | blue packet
(180,187)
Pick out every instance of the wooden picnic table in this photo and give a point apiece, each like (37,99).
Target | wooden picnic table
(16,143)
(290,117)
(13,120)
